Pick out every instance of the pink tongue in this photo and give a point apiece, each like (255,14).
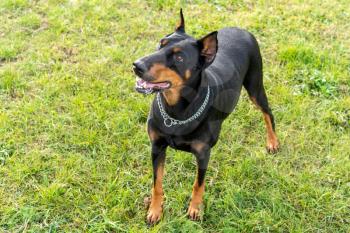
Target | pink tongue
(152,85)
(146,84)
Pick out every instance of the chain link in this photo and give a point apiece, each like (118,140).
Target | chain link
(169,121)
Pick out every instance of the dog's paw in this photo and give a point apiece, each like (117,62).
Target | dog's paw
(194,212)
(272,146)
(154,215)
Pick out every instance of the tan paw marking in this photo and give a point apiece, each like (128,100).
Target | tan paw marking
(154,215)
(194,211)
(272,146)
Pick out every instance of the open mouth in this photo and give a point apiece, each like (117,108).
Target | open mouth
(145,87)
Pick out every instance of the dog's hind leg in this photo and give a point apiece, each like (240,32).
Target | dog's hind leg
(253,83)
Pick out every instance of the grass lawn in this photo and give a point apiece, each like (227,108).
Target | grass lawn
(74,153)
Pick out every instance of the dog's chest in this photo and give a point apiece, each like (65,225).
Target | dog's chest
(179,143)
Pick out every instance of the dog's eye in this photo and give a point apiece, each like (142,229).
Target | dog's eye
(179,58)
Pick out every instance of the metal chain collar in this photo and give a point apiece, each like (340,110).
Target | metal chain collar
(169,121)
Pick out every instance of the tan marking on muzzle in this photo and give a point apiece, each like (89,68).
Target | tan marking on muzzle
(161,73)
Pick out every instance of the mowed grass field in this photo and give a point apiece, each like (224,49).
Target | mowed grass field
(74,153)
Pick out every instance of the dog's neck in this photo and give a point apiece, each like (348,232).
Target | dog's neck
(178,100)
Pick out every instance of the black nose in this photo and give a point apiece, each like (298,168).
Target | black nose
(139,68)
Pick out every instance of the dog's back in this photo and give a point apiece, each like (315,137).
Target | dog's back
(237,52)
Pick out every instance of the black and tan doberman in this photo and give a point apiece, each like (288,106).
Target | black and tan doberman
(197,85)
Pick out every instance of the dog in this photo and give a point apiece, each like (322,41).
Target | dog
(197,85)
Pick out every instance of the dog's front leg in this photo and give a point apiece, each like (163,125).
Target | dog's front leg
(202,153)
(158,159)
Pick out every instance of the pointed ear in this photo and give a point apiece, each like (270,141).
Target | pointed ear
(180,27)
(208,47)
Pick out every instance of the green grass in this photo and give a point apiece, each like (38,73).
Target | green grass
(74,154)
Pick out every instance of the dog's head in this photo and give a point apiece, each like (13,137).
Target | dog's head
(178,57)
